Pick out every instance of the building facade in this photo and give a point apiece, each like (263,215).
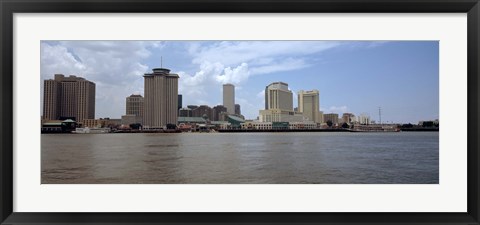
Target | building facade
(279,105)
(161,99)
(184,112)
(68,97)
(309,105)
(217,112)
(237,109)
(332,117)
(180,103)
(363,119)
(203,111)
(277,115)
(277,96)
(134,105)
(131,119)
(348,118)
(229,98)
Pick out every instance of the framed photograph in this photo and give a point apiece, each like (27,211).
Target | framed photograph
(231,112)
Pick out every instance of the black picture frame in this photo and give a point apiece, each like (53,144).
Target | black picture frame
(9,7)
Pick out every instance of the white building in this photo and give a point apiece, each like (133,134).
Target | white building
(309,105)
(277,115)
(277,96)
(307,125)
(279,105)
(364,119)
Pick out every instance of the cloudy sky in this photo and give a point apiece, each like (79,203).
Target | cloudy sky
(352,76)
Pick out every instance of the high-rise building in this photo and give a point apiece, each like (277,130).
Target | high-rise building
(237,110)
(133,110)
(134,105)
(279,105)
(217,110)
(229,98)
(70,96)
(180,101)
(309,105)
(277,96)
(161,99)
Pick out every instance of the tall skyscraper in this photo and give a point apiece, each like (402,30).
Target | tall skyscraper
(277,96)
(134,105)
(70,96)
(279,105)
(180,102)
(309,105)
(161,98)
(229,98)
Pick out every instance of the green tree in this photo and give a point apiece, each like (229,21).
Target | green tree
(345,125)
(329,123)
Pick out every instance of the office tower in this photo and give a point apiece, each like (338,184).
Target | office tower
(277,96)
(70,96)
(279,105)
(161,98)
(217,110)
(180,102)
(309,105)
(229,98)
(134,105)
(237,110)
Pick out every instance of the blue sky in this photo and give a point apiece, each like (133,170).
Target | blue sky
(401,77)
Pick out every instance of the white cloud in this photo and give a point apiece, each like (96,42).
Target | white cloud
(337,109)
(117,66)
(259,52)
(281,65)
(236,75)
(236,61)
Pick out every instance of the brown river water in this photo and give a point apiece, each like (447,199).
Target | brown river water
(241,158)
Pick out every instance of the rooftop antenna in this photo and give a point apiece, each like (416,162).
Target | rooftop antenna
(161,61)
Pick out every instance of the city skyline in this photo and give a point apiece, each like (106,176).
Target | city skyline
(351,76)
